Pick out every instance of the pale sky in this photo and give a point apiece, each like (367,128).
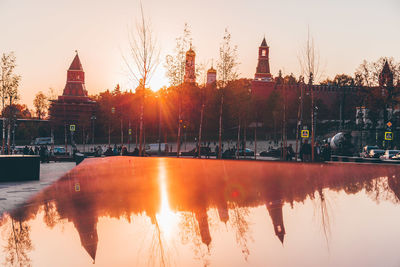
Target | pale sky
(45,33)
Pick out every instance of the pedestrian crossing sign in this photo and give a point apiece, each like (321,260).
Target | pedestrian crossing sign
(389,136)
(130,131)
(72,127)
(305,133)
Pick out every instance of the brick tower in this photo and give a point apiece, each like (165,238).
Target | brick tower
(263,82)
(73,106)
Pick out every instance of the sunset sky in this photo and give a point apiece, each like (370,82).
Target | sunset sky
(45,33)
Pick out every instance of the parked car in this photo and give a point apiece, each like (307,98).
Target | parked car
(389,154)
(275,152)
(43,141)
(152,149)
(204,151)
(396,157)
(59,151)
(231,153)
(376,153)
(365,151)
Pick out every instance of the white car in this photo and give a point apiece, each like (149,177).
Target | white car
(389,154)
(152,149)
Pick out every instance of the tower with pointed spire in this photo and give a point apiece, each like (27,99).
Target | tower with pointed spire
(74,106)
(190,75)
(263,82)
(263,73)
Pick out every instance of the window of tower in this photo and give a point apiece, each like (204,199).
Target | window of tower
(263,52)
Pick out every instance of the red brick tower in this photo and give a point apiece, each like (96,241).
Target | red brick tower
(73,106)
(75,86)
(263,83)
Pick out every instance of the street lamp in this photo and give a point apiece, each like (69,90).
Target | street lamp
(93,118)
(109,127)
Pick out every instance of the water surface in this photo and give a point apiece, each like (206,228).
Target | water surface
(125,211)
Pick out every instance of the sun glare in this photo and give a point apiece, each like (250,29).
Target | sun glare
(166,218)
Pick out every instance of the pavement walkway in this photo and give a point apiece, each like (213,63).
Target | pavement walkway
(13,194)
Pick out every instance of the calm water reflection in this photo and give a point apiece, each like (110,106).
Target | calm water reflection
(123,211)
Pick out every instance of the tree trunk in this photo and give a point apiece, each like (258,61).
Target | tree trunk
(4,137)
(245,136)
(312,124)
(220,127)
(238,141)
(255,139)
(9,136)
(178,141)
(141,128)
(200,128)
(298,122)
(122,135)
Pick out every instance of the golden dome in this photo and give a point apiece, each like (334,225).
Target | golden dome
(190,52)
(211,70)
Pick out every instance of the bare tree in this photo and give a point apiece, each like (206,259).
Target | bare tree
(41,104)
(142,62)
(310,67)
(175,65)
(226,66)
(8,87)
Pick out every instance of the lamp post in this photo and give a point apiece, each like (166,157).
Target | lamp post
(13,131)
(159,125)
(109,127)
(93,118)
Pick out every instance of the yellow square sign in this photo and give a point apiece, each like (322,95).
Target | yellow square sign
(389,136)
(77,187)
(305,133)
(72,127)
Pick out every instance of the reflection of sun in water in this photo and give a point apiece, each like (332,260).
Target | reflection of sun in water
(166,218)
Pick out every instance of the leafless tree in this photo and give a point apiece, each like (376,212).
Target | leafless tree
(175,65)
(227,71)
(309,60)
(8,86)
(142,61)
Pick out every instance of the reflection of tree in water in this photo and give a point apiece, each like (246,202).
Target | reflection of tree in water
(50,217)
(19,244)
(158,248)
(239,220)
(380,189)
(190,233)
(321,206)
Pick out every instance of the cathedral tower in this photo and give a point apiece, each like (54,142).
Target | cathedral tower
(190,76)
(211,76)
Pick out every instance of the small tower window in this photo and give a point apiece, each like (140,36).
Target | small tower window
(263,52)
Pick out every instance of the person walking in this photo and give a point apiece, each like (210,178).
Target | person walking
(289,153)
(305,151)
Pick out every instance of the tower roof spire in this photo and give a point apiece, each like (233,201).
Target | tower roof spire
(264,42)
(76,63)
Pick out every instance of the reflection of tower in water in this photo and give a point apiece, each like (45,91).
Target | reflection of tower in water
(223,212)
(88,234)
(276,214)
(202,219)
